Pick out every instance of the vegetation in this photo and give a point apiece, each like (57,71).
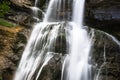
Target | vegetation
(0,78)
(4,8)
(6,23)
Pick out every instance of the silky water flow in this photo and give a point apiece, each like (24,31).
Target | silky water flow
(39,49)
(41,45)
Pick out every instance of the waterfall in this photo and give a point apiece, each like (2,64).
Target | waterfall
(38,52)
(35,10)
(79,68)
(79,46)
(40,48)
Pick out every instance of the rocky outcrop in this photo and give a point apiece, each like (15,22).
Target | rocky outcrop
(20,18)
(105,56)
(103,9)
(28,3)
(23,3)
(103,15)
(12,44)
(21,12)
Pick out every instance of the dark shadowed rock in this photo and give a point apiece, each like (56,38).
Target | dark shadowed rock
(103,10)
(103,15)
(105,56)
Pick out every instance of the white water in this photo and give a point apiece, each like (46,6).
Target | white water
(38,51)
(52,11)
(78,68)
(79,46)
(35,10)
(39,48)
(78,12)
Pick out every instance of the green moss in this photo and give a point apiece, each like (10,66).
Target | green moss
(6,23)
(4,8)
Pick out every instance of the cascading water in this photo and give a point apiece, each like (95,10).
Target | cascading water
(35,10)
(40,47)
(39,50)
(79,46)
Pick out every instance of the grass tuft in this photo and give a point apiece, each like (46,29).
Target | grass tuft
(6,23)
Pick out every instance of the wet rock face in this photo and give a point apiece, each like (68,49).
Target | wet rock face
(105,57)
(52,71)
